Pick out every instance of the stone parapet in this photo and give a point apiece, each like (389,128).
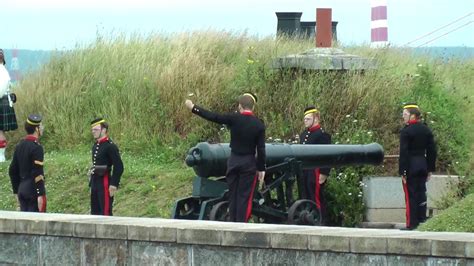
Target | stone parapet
(123,239)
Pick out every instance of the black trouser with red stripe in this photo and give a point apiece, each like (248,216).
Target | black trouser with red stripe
(241,178)
(415,201)
(28,197)
(101,202)
(415,191)
(314,191)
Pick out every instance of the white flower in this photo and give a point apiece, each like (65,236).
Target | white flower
(420,65)
(348,115)
(350,194)
(369,132)
(191,94)
(416,75)
(354,121)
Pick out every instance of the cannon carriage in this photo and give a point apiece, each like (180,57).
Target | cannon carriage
(274,202)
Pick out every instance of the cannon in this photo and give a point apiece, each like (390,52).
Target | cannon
(273,203)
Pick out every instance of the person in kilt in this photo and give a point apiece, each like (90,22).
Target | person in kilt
(7,113)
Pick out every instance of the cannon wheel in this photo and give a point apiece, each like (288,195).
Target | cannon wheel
(220,212)
(304,212)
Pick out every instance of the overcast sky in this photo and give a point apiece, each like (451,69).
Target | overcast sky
(61,24)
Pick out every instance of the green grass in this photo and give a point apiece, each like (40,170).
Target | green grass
(457,218)
(139,85)
(148,187)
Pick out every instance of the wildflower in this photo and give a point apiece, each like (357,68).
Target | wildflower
(369,133)
(350,194)
(420,65)
(416,75)
(191,94)
(354,121)
(348,115)
(431,122)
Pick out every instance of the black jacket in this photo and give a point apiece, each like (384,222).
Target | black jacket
(106,153)
(417,149)
(316,135)
(247,132)
(27,167)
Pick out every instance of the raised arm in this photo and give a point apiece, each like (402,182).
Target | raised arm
(208,115)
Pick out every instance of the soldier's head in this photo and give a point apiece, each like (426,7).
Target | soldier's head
(311,116)
(247,101)
(99,128)
(411,111)
(33,125)
(2,57)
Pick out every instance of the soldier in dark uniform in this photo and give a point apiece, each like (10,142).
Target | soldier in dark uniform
(416,163)
(106,170)
(315,180)
(247,134)
(26,169)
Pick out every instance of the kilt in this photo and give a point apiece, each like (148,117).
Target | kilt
(7,116)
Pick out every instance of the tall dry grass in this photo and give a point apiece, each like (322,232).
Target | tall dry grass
(139,84)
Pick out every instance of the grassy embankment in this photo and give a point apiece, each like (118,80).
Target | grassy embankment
(140,84)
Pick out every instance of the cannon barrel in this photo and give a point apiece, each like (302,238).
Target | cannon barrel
(211,159)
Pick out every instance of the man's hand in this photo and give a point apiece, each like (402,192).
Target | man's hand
(112,190)
(322,179)
(428,177)
(40,203)
(404,179)
(17,202)
(261,179)
(189,104)
(261,176)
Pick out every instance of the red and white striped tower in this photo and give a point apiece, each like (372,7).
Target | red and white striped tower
(15,66)
(378,24)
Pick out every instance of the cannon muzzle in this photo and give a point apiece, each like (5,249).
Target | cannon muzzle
(211,159)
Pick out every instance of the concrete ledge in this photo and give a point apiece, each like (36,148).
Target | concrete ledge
(7,226)
(410,246)
(211,235)
(33,227)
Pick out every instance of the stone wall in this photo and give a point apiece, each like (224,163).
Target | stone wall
(59,239)
(385,200)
